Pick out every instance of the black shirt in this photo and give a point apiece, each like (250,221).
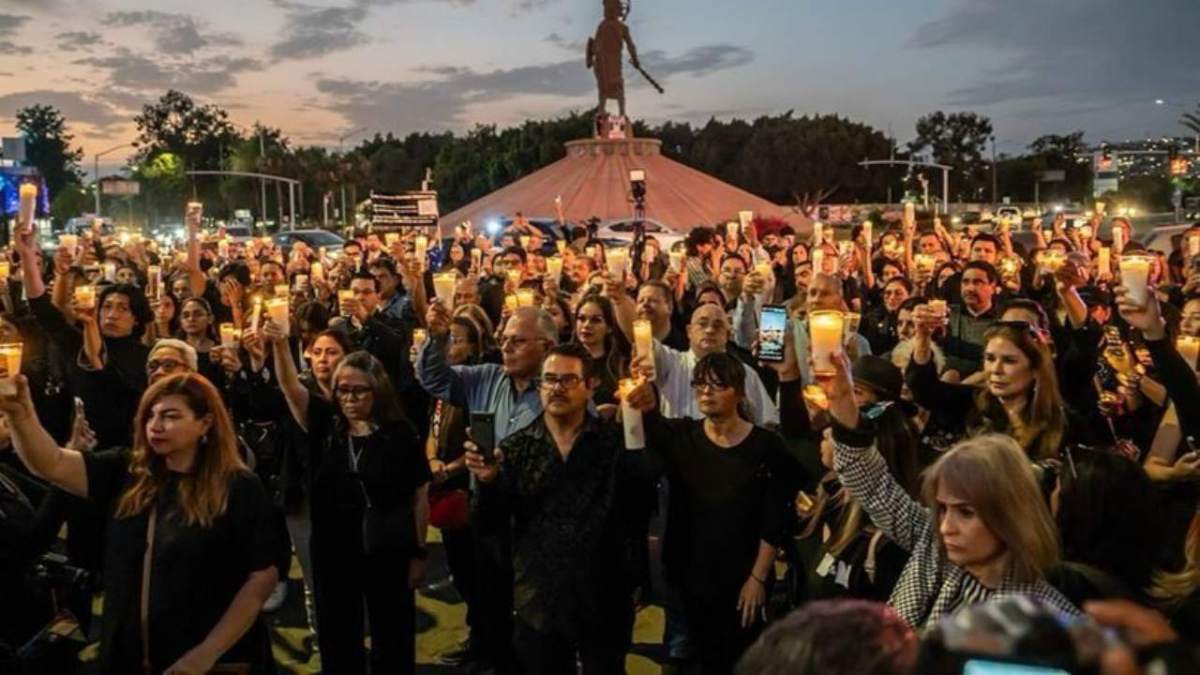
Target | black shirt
(571,521)
(195,573)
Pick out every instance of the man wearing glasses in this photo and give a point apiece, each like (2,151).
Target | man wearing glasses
(564,486)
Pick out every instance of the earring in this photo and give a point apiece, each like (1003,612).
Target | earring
(204,439)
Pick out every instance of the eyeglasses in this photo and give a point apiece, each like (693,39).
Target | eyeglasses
(355,393)
(169,365)
(517,342)
(710,386)
(569,381)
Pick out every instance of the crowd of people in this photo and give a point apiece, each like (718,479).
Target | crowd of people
(1004,419)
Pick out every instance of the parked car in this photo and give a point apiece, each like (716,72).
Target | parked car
(620,233)
(239,234)
(1160,238)
(315,239)
(549,228)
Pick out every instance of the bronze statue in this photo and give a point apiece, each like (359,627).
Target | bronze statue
(604,55)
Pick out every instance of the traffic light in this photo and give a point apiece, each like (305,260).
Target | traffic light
(1105,152)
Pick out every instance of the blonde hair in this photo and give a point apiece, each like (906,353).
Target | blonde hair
(1172,588)
(203,493)
(994,476)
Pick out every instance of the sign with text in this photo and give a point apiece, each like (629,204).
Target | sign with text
(120,187)
(418,208)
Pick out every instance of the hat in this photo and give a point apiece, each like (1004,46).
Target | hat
(881,375)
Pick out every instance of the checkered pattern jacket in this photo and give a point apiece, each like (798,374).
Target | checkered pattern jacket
(929,586)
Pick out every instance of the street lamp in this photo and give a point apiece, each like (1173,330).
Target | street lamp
(341,142)
(96,167)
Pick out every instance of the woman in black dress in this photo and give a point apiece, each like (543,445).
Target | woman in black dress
(367,486)
(193,600)
(596,329)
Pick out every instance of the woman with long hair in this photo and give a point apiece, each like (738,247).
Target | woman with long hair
(196,328)
(853,557)
(1020,396)
(188,525)
(1178,593)
(166,319)
(980,531)
(367,484)
(596,329)
(728,508)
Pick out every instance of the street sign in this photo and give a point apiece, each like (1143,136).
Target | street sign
(120,187)
(1053,176)
(13,148)
(417,208)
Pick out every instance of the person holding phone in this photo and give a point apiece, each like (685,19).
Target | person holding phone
(367,485)
(564,488)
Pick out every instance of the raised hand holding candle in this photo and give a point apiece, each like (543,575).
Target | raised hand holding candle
(229,335)
(1135,276)
(631,418)
(277,309)
(419,336)
(818,259)
(676,261)
(345,301)
(10,360)
(1118,235)
(525,297)
(69,242)
(28,207)
(818,233)
(1189,348)
(868,234)
(731,232)
(5,270)
(421,249)
(1194,245)
(745,219)
(317,271)
(1104,261)
(85,296)
(510,303)
(554,267)
(825,330)
(476,258)
(939,308)
(910,214)
(255,313)
(616,263)
(443,288)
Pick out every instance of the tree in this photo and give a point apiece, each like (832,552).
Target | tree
(196,134)
(1191,120)
(48,146)
(957,140)
(69,202)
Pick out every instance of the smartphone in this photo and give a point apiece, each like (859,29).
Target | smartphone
(483,433)
(772,324)
(989,667)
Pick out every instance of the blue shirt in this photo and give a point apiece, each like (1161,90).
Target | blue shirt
(479,388)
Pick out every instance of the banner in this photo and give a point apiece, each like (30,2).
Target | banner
(390,213)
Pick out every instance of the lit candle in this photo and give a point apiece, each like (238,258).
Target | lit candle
(255,313)
(85,296)
(561,245)
(345,301)
(1189,349)
(28,207)
(390,238)
(281,290)
(844,248)
(70,242)
(229,335)
(1009,266)
(676,261)
(938,308)
(277,309)
(851,325)
(1194,245)
(316,270)
(5,270)
(524,239)
(731,232)
(476,257)
(514,277)
(818,233)
(818,257)
(745,219)
(616,263)
(554,267)
(110,272)
(1118,234)
(764,270)
(1104,262)
(816,397)
(10,359)
(631,418)
(300,281)
(924,262)
(643,339)
(910,213)
(868,232)
(443,288)
(421,249)
(223,247)
(825,337)
(1135,276)
(525,297)
(510,303)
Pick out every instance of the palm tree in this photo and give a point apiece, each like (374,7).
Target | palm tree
(1191,120)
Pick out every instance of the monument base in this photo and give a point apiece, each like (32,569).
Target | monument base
(613,127)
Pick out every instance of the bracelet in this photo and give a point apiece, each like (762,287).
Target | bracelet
(761,581)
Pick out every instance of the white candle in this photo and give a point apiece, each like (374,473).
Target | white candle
(443,288)
(5,269)
(851,324)
(525,297)
(28,207)
(910,213)
(277,309)
(924,262)
(110,272)
(1189,349)
(825,336)
(1118,239)
(745,219)
(70,242)
(1053,260)
(10,359)
(476,257)
(616,263)
(525,239)
(281,290)
(85,296)
(223,248)
(868,232)
(316,270)
(818,257)
(1135,276)
(510,303)
(1194,245)
(938,308)
(818,233)
(421,248)
(1104,262)
(643,340)
(631,418)
(390,238)
(345,301)
(255,313)
(154,280)
(554,267)
(229,335)
(731,232)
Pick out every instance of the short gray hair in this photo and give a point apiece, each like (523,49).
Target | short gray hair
(185,350)
(543,320)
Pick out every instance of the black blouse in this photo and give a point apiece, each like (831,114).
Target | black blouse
(195,574)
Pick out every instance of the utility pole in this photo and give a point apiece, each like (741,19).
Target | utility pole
(993,171)
(96,168)
(341,143)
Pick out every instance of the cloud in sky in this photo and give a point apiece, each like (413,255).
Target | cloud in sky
(312,32)
(131,71)
(10,25)
(73,41)
(1093,51)
(440,103)
(173,32)
(76,107)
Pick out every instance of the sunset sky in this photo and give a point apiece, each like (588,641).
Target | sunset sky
(321,69)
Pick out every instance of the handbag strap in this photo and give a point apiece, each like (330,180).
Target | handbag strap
(147,559)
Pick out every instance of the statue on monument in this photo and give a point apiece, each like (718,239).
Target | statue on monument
(604,59)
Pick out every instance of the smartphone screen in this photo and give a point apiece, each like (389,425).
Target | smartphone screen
(771,326)
(980,667)
(483,433)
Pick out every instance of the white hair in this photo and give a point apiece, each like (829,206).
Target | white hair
(185,350)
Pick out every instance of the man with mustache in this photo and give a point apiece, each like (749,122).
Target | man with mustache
(562,487)
(971,319)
